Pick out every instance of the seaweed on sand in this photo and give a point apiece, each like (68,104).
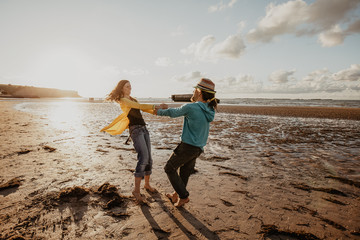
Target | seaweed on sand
(345,180)
(305,187)
(234,174)
(71,192)
(269,231)
(13,183)
(110,193)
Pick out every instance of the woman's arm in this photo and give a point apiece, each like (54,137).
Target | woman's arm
(133,104)
(149,111)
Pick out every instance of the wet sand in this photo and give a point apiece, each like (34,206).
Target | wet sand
(295,111)
(254,181)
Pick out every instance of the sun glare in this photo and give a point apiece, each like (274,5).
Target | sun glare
(66,115)
(62,68)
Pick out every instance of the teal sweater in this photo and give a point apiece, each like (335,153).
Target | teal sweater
(197,118)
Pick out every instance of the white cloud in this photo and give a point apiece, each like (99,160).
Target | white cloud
(325,14)
(185,83)
(221,6)
(281,76)
(206,50)
(280,19)
(319,81)
(351,74)
(163,62)
(243,83)
(332,37)
(232,3)
(232,47)
(189,77)
(245,78)
(230,82)
(316,84)
(354,27)
(202,49)
(336,36)
(322,17)
(317,76)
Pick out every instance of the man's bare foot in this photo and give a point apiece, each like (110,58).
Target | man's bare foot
(150,189)
(138,197)
(173,197)
(182,202)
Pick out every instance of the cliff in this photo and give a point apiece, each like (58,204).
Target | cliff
(18,91)
(181,97)
(185,98)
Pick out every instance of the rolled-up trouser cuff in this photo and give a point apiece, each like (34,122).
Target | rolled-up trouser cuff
(142,174)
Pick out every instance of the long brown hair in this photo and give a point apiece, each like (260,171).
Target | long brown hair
(210,96)
(117,93)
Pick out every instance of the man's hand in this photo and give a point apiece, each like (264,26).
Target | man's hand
(164,106)
(161,106)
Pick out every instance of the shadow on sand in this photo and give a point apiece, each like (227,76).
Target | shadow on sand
(161,234)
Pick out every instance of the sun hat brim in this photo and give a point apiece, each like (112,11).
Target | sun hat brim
(205,89)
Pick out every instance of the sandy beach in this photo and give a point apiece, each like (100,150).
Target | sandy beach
(266,173)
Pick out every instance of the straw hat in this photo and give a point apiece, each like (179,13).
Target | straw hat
(206,85)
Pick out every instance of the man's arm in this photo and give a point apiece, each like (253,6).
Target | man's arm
(174,112)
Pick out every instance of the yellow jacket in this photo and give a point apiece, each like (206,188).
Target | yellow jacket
(122,121)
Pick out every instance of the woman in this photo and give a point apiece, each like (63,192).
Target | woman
(131,118)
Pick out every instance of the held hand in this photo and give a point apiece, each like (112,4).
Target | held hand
(157,107)
(161,106)
(164,106)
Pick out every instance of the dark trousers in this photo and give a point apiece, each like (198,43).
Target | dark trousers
(183,157)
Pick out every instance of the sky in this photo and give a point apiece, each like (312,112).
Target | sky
(249,49)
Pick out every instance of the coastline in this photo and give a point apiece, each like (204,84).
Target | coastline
(295,111)
(336,112)
(242,189)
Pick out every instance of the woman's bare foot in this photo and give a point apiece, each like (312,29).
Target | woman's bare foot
(150,189)
(182,202)
(138,197)
(173,197)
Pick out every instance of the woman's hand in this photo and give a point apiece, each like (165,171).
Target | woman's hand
(161,106)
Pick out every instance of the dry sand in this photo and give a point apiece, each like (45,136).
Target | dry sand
(57,186)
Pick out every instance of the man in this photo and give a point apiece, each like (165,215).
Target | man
(197,117)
